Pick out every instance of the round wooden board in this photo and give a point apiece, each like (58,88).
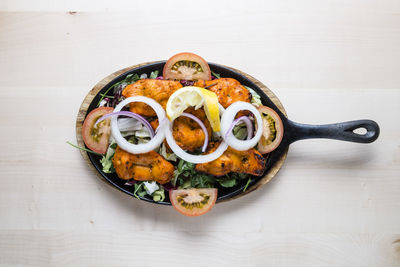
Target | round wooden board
(100,85)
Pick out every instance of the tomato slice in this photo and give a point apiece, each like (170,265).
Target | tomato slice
(97,138)
(272,130)
(186,66)
(194,201)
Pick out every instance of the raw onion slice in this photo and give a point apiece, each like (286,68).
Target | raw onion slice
(142,148)
(189,157)
(248,123)
(132,115)
(228,119)
(202,126)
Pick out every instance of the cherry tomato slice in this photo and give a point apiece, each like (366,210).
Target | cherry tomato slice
(272,130)
(194,201)
(97,138)
(186,66)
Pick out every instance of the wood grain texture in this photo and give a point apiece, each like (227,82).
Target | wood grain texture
(331,204)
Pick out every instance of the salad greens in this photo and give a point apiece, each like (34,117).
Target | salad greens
(149,188)
(129,79)
(106,160)
(119,86)
(153,74)
(255,98)
(185,175)
(168,156)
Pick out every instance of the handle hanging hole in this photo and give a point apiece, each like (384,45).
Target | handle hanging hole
(360,131)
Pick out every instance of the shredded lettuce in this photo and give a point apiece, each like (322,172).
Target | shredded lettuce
(142,133)
(159,195)
(150,188)
(154,74)
(255,98)
(139,136)
(106,160)
(140,191)
(168,156)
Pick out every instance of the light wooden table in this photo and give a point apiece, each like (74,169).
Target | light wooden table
(333,203)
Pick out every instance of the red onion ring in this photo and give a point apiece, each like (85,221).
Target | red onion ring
(129,114)
(203,127)
(248,123)
(227,120)
(140,148)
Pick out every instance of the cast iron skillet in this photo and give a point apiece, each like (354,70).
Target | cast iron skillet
(292,131)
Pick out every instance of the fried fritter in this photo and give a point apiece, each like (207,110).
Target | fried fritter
(228,90)
(142,167)
(250,161)
(159,90)
(188,133)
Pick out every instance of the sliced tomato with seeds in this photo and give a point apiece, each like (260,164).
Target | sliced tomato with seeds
(272,130)
(193,201)
(97,138)
(186,66)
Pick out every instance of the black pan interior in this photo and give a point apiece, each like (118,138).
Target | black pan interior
(223,193)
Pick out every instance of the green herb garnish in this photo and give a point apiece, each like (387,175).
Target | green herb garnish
(186,176)
(216,75)
(247,184)
(84,149)
(129,79)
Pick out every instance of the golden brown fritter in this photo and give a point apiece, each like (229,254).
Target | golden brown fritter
(228,90)
(149,166)
(188,133)
(250,161)
(159,90)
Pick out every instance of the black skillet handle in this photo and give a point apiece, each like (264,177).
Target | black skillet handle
(339,131)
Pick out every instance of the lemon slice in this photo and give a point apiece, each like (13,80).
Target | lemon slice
(197,97)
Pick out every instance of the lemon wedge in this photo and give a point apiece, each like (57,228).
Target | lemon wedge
(197,97)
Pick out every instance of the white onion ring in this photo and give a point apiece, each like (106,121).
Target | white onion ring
(142,148)
(229,116)
(189,157)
